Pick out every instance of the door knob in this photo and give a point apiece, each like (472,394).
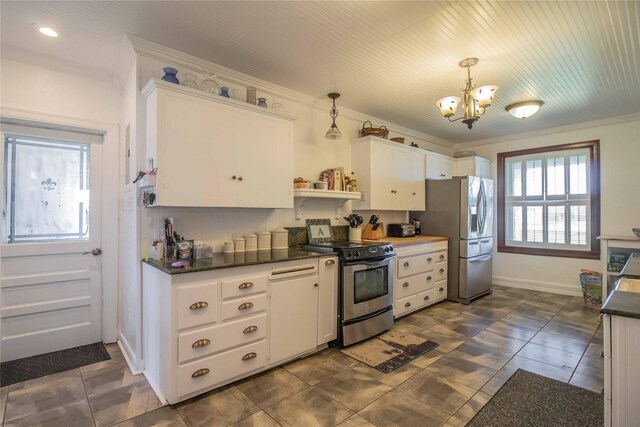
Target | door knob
(94,251)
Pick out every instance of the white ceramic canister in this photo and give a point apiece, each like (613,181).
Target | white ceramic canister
(280,238)
(250,242)
(264,240)
(355,234)
(238,244)
(228,247)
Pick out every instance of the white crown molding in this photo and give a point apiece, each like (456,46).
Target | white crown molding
(158,52)
(26,56)
(560,129)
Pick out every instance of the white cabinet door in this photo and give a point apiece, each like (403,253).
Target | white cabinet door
(439,166)
(211,151)
(293,317)
(328,300)
(475,166)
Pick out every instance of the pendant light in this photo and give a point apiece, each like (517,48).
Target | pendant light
(333,132)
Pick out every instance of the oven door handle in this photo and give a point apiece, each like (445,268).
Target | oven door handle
(369,263)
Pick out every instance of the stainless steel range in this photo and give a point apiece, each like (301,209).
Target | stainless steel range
(366,288)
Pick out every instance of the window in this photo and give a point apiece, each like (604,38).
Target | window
(549,201)
(47,190)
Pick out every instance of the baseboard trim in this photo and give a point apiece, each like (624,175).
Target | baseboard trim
(136,366)
(156,389)
(536,285)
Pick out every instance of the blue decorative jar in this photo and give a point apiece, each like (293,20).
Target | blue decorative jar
(262,102)
(170,75)
(224,91)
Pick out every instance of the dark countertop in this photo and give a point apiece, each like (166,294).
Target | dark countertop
(221,260)
(632,267)
(621,303)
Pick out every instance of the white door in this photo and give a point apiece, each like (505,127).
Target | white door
(51,290)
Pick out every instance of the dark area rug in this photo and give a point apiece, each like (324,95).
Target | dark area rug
(32,367)
(390,350)
(528,399)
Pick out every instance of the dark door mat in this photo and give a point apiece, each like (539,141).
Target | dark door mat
(390,350)
(528,399)
(20,370)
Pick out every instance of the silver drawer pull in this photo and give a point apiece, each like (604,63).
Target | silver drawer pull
(201,343)
(200,372)
(199,305)
(442,270)
(245,306)
(441,290)
(406,264)
(407,304)
(429,259)
(426,298)
(405,285)
(329,262)
(429,277)
(250,329)
(246,285)
(441,256)
(249,356)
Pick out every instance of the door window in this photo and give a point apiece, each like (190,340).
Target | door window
(46,190)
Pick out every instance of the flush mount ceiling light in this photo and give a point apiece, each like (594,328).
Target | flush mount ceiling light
(522,110)
(43,29)
(333,132)
(475,99)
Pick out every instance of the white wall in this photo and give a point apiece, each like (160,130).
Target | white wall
(620,198)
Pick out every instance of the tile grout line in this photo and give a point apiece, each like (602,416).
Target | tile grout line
(84,387)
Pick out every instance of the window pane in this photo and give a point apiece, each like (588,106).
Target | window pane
(534,224)
(514,223)
(534,177)
(555,176)
(555,224)
(47,189)
(514,180)
(578,225)
(578,174)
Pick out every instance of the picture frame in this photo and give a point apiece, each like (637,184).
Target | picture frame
(319,231)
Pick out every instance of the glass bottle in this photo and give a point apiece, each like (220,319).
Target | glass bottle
(210,84)
(189,80)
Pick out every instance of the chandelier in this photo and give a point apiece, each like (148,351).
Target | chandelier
(475,99)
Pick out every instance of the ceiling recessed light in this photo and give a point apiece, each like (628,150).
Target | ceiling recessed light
(50,32)
(522,110)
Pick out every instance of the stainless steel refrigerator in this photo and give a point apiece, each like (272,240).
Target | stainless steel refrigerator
(461,208)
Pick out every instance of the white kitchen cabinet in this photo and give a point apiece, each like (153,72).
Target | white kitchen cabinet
(215,151)
(439,166)
(621,371)
(328,300)
(476,166)
(202,330)
(293,322)
(421,276)
(390,175)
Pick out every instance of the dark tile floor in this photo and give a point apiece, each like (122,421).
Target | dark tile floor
(481,345)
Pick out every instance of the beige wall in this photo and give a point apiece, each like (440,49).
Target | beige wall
(620,199)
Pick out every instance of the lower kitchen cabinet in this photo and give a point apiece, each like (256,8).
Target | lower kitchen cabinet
(202,330)
(421,276)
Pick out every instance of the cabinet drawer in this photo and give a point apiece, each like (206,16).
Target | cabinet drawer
(441,289)
(212,370)
(244,306)
(415,284)
(415,264)
(214,339)
(406,305)
(243,286)
(440,271)
(197,304)
(427,297)
(440,256)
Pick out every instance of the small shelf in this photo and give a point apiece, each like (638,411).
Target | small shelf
(339,198)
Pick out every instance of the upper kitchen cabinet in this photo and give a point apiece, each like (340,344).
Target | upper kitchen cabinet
(476,166)
(439,166)
(217,152)
(390,175)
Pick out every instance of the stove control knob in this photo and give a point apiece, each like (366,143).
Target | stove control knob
(349,254)
(386,249)
(356,254)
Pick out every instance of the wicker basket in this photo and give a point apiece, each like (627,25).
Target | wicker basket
(381,132)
